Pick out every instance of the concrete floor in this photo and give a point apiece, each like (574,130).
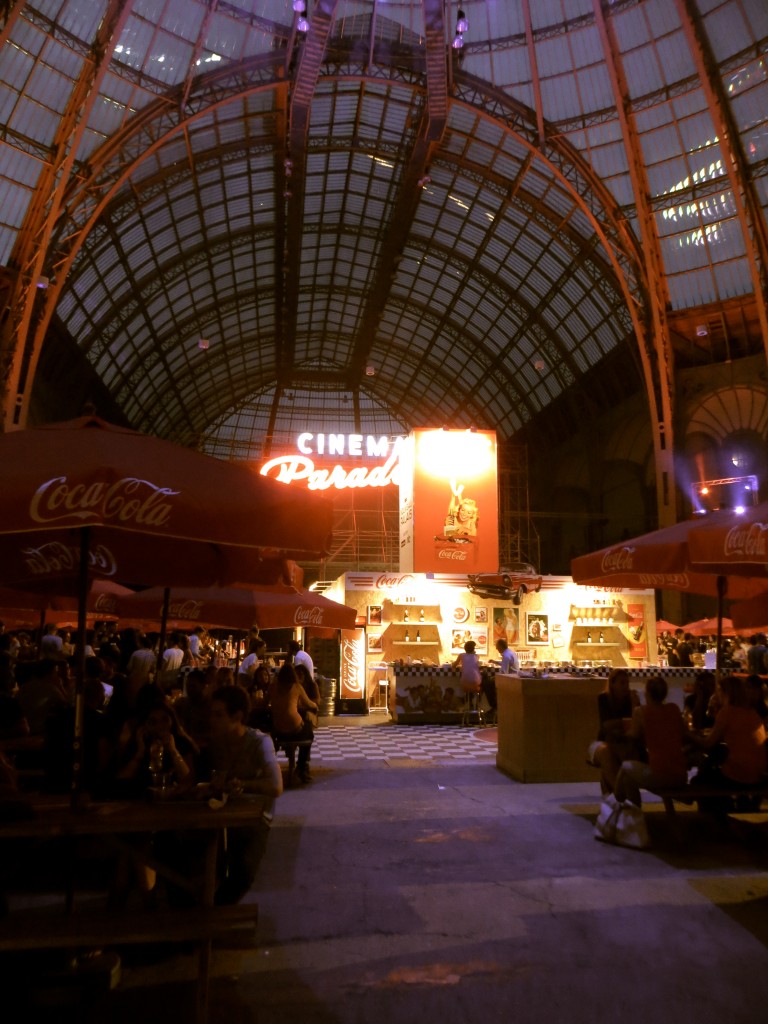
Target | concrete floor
(419,892)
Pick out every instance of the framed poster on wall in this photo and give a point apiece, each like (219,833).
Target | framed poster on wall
(460,635)
(506,625)
(536,628)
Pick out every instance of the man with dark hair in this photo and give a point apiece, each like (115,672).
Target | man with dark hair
(756,656)
(685,651)
(299,656)
(242,760)
(42,695)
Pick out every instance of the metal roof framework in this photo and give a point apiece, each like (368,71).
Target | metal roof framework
(371,226)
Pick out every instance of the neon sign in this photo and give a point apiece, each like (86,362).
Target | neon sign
(290,469)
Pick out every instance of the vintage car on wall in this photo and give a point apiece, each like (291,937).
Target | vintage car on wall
(509,583)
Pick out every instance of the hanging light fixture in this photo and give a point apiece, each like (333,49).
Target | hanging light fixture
(461,27)
(299,6)
(302,24)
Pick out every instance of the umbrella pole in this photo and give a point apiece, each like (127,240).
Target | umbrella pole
(163,629)
(82,608)
(721,588)
(238,637)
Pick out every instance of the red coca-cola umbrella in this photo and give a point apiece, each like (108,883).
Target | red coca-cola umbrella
(751,615)
(737,543)
(662,560)
(709,627)
(155,513)
(88,499)
(236,608)
(35,609)
(662,626)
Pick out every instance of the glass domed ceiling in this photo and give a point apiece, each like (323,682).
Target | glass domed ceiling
(227,211)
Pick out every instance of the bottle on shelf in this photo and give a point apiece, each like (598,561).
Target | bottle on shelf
(421,615)
(418,636)
(405,615)
(407,636)
(601,637)
(589,636)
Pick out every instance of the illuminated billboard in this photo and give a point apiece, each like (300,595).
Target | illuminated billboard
(449,516)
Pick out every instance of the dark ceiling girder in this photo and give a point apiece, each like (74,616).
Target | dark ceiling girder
(396,231)
(20,339)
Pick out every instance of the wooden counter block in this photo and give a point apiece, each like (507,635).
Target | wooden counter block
(545,727)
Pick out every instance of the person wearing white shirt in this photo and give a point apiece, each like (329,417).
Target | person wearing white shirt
(300,657)
(509,659)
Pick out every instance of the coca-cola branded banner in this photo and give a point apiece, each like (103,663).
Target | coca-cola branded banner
(239,608)
(352,682)
(449,502)
(637,633)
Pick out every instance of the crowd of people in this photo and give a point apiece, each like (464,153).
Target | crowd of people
(717,740)
(183,719)
(680,649)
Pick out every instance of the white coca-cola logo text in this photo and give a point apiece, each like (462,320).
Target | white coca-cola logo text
(188,609)
(129,500)
(452,554)
(746,540)
(308,616)
(617,560)
(662,580)
(393,581)
(57,557)
(351,665)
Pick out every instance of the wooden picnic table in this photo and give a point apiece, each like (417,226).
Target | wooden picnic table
(49,817)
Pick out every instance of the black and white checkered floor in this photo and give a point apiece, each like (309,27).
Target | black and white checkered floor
(430,744)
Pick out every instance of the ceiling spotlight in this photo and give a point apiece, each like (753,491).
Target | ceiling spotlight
(299,6)
(702,331)
(302,24)
(203,344)
(288,165)
(425,180)
(462,24)
(370,371)
(539,364)
(458,41)
(42,281)
(287,194)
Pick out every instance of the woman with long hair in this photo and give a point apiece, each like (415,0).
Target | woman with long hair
(288,701)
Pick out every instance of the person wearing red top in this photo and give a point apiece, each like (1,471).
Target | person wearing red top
(660,728)
(740,728)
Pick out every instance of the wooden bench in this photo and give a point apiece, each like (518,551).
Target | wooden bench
(692,794)
(289,748)
(41,928)
(51,928)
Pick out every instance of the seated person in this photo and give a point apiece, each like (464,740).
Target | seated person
(59,732)
(311,689)
(742,732)
(756,696)
(243,761)
(288,701)
(42,695)
(159,747)
(194,710)
(259,693)
(615,706)
(659,729)
(697,703)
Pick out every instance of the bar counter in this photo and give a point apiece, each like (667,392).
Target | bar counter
(547,723)
(428,694)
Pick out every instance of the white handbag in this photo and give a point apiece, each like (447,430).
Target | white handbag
(622,823)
